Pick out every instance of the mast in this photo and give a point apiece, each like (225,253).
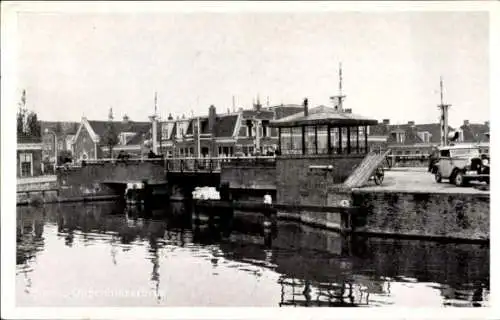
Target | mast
(444,115)
(338,100)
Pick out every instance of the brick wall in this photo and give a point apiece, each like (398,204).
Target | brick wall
(297,184)
(89,179)
(262,177)
(464,216)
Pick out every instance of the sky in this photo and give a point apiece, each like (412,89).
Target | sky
(75,65)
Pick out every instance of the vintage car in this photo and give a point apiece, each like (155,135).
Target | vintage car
(461,164)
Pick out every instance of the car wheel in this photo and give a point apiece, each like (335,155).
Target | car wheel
(459,179)
(438,177)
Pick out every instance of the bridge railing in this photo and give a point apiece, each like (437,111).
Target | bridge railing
(211,164)
(408,160)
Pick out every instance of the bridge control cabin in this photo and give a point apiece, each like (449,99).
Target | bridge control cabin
(318,150)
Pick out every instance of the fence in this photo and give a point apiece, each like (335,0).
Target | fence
(407,160)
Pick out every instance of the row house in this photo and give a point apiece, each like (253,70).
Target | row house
(29,156)
(134,139)
(242,132)
(411,138)
(56,134)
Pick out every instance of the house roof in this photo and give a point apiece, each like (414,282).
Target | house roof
(67,127)
(139,128)
(475,132)
(224,126)
(323,115)
(286,110)
(99,127)
(411,132)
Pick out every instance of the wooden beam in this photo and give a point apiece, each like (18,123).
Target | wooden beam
(315,139)
(348,140)
(366,139)
(279,141)
(329,137)
(340,140)
(357,139)
(303,140)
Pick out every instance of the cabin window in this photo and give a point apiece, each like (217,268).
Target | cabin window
(309,139)
(362,145)
(296,141)
(285,140)
(334,140)
(322,139)
(353,136)
(345,137)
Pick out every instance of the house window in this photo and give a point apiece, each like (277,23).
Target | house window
(400,137)
(26,164)
(249,128)
(264,130)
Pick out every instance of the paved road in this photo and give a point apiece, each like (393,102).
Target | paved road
(416,180)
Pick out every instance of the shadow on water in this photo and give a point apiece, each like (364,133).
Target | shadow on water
(314,267)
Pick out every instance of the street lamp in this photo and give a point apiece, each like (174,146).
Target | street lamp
(47,131)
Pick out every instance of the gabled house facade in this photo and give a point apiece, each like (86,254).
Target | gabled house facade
(29,156)
(226,134)
(411,138)
(56,134)
(134,139)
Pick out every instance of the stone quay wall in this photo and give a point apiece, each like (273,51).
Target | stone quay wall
(298,184)
(434,215)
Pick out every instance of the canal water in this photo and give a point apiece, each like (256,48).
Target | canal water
(105,254)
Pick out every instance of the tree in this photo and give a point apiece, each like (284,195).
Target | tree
(33,125)
(27,121)
(110,138)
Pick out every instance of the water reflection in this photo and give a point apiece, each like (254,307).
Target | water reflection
(175,261)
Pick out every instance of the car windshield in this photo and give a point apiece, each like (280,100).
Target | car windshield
(469,152)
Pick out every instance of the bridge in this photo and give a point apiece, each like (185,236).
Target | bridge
(181,175)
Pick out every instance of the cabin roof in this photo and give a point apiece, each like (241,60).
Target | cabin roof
(323,115)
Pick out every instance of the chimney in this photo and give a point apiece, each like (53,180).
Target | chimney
(466,122)
(348,110)
(170,117)
(386,121)
(125,119)
(306,107)
(211,118)
(411,123)
(487,123)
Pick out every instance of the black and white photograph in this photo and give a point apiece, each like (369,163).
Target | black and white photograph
(291,156)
